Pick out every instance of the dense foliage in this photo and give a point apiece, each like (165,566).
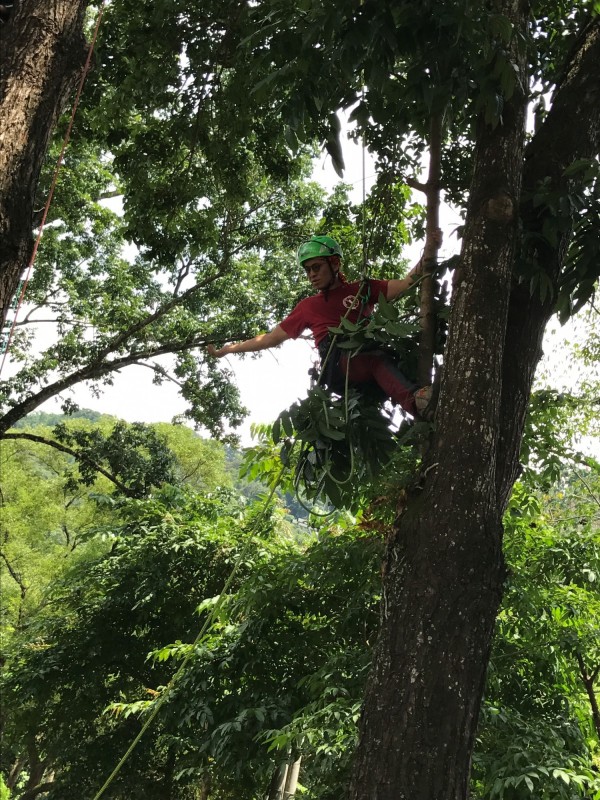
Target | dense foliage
(57,508)
(203,120)
(117,589)
(282,669)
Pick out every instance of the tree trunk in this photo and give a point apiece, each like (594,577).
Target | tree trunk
(42,52)
(444,567)
(278,781)
(285,781)
(37,768)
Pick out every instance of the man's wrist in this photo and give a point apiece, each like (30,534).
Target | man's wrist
(416,271)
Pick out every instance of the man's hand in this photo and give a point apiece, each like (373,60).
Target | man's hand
(212,351)
(396,287)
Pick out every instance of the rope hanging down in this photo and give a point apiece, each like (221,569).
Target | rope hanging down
(25,281)
(364,196)
(221,598)
(207,623)
(211,617)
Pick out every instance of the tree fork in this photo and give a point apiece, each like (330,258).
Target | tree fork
(553,148)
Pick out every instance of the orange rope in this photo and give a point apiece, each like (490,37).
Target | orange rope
(86,69)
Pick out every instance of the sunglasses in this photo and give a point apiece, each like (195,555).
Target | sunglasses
(313,268)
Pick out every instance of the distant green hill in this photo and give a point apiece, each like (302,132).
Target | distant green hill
(49,420)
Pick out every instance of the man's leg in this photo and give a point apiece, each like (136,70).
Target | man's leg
(373,368)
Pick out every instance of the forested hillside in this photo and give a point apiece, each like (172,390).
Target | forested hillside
(102,594)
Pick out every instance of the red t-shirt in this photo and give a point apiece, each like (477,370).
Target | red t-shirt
(325,310)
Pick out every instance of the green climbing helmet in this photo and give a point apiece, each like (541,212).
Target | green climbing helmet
(318,247)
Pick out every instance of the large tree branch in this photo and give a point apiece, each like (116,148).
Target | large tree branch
(413,183)
(15,771)
(95,370)
(32,793)
(77,454)
(99,366)
(118,341)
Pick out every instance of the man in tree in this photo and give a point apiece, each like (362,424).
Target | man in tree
(336,298)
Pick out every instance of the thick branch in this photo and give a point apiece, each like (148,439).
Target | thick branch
(15,771)
(415,184)
(78,455)
(32,793)
(120,339)
(94,371)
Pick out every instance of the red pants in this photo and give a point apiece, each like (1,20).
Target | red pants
(376,368)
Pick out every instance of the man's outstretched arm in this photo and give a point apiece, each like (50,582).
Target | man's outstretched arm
(261,342)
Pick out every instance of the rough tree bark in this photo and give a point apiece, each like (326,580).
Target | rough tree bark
(42,51)
(444,566)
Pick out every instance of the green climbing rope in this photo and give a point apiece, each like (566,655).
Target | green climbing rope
(158,704)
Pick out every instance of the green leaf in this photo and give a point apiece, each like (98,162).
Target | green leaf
(579,166)
(287,425)
(276,431)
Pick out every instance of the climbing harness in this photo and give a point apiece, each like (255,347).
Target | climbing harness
(330,353)
(323,444)
(7,335)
